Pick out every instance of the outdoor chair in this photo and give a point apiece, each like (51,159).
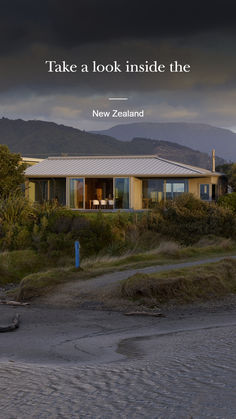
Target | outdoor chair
(110,203)
(95,203)
(103,203)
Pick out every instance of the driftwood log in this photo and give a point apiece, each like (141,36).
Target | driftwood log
(144,313)
(12,326)
(13,303)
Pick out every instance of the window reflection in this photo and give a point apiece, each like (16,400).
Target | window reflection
(204,192)
(122,193)
(175,188)
(76,193)
(152,192)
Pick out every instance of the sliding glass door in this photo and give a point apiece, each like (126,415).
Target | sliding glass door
(121,186)
(152,192)
(77,193)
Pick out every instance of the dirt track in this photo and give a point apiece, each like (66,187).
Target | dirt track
(101,290)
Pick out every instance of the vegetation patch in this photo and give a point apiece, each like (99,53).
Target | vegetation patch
(41,283)
(183,285)
(15,265)
(166,253)
(44,282)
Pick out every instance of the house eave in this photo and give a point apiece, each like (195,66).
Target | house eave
(163,175)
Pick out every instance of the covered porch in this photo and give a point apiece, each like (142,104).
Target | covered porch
(98,193)
(47,190)
(118,193)
(81,193)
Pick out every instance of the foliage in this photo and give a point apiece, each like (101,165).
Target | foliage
(11,171)
(52,230)
(17,264)
(230,171)
(39,284)
(183,285)
(228,201)
(186,219)
(16,217)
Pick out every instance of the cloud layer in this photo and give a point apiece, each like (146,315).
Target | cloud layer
(80,32)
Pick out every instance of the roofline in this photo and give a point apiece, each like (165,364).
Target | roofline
(103,176)
(32,159)
(133,156)
(188,166)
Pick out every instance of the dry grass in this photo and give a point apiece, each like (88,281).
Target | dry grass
(40,280)
(183,285)
(42,283)
(211,241)
(166,252)
(15,265)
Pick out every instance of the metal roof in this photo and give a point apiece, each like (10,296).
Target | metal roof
(112,166)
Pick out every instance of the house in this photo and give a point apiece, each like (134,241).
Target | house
(118,182)
(30,161)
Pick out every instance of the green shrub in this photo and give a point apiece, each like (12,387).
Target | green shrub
(228,201)
(187,284)
(16,264)
(49,228)
(187,219)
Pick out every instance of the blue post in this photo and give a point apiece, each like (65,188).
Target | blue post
(77,261)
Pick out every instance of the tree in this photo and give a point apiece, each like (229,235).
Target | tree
(232,178)
(11,171)
(230,170)
(228,201)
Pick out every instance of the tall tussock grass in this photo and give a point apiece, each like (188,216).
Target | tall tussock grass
(184,285)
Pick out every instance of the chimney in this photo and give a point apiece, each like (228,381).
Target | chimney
(213,160)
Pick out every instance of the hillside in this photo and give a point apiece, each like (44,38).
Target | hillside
(172,151)
(42,139)
(202,137)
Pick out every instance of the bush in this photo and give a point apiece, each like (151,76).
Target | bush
(16,264)
(187,284)
(228,201)
(187,219)
(49,228)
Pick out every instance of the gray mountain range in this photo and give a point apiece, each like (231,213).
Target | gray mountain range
(42,139)
(200,137)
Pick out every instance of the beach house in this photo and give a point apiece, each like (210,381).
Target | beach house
(118,182)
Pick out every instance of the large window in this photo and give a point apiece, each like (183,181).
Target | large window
(176,188)
(152,192)
(41,191)
(122,193)
(77,193)
(58,191)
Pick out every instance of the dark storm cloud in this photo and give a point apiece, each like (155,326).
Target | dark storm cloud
(200,33)
(210,67)
(72,22)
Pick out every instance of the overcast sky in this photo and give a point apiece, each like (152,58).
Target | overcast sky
(81,31)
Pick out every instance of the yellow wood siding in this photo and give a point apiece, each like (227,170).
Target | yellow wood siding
(194,184)
(136,193)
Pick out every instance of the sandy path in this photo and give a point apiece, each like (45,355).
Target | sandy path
(96,289)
